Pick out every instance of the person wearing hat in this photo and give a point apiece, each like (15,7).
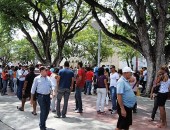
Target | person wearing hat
(126,100)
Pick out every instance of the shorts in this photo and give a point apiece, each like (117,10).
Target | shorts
(124,122)
(162,97)
(28,95)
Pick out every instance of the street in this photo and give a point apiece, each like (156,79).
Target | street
(12,119)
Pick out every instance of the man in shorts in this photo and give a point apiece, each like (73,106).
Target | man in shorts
(26,92)
(126,100)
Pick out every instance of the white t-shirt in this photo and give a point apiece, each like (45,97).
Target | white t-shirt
(0,70)
(145,75)
(164,88)
(113,79)
(20,73)
(53,81)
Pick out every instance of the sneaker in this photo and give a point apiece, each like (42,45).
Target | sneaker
(113,112)
(56,116)
(63,116)
(77,111)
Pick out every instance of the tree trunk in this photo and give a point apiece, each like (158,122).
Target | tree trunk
(127,61)
(59,57)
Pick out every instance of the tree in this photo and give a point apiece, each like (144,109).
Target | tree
(146,23)
(22,51)
(65,17)
(85,45)
(127,53)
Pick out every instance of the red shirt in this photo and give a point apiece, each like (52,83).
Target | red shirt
(49,73)
(4,76)
(81,83)
(89,75)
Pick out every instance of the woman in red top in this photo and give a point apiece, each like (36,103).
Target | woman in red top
(4,81)
(89,79)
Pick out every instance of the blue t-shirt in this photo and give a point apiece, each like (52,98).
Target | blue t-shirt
(66,76)
(128,96)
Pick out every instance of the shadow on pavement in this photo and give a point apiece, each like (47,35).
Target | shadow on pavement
(72,120)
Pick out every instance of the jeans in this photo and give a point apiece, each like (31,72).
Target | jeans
(88,86)
(11,84)
(113,97)
(44,102)
(66,93)
(101,97)
(78,98)
(143,86)
(15,85)
(155,108)
(19,90)
(4,89)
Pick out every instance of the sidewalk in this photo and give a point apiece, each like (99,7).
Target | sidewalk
(89,120)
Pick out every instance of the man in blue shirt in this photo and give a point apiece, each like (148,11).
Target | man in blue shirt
(126,100)
(65,82)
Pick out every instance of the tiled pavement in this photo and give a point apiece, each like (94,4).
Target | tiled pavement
(89,120)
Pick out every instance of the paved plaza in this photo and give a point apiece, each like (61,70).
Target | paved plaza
(12,119)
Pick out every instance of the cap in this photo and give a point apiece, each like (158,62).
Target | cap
(127,69)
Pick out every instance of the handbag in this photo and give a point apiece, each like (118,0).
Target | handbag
(107,99)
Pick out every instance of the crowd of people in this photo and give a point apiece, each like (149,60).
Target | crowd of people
(47,86)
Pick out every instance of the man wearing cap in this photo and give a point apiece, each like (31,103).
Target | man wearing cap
(126,100)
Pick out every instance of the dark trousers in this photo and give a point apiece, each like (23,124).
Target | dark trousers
(113,97)
(88,86)
(44,102)
(78,98)
(66,94)
(1,85)
(155,108)
(19,90)
(143,86)
(4,89)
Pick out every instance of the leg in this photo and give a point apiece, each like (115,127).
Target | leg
(34,106)
(79,99)
(23,103)
(53,102)
(76,101)
(48,103)
(143,86)
(90,84)
(103,98)
(42,103)
(66,98)
(4,82)
(98,100)
(59,97)
(154,108)
(163,117)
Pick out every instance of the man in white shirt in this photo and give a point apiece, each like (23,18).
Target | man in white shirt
(144,79)
(114,76)
(21,77)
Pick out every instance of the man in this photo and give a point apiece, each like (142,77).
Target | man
(10,72)
(42,86)
(21,77)
(26,92)
(114,76)
(65,83)
(144,79)
(89,80)
(126,100)
(80,82)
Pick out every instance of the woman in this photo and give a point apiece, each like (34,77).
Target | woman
(134,82)
(4,81)
(162,96)
(15,80)
(102,89)
(53,79)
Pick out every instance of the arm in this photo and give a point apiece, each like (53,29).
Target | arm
(58,81)
(105,82)
(33,89)
(120,101)
(72,83)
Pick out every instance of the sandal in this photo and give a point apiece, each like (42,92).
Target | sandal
(20,109)
(34,113)
(103,113)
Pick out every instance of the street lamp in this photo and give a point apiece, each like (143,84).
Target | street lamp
(96,26)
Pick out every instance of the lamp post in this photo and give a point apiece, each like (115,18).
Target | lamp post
(96,26)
